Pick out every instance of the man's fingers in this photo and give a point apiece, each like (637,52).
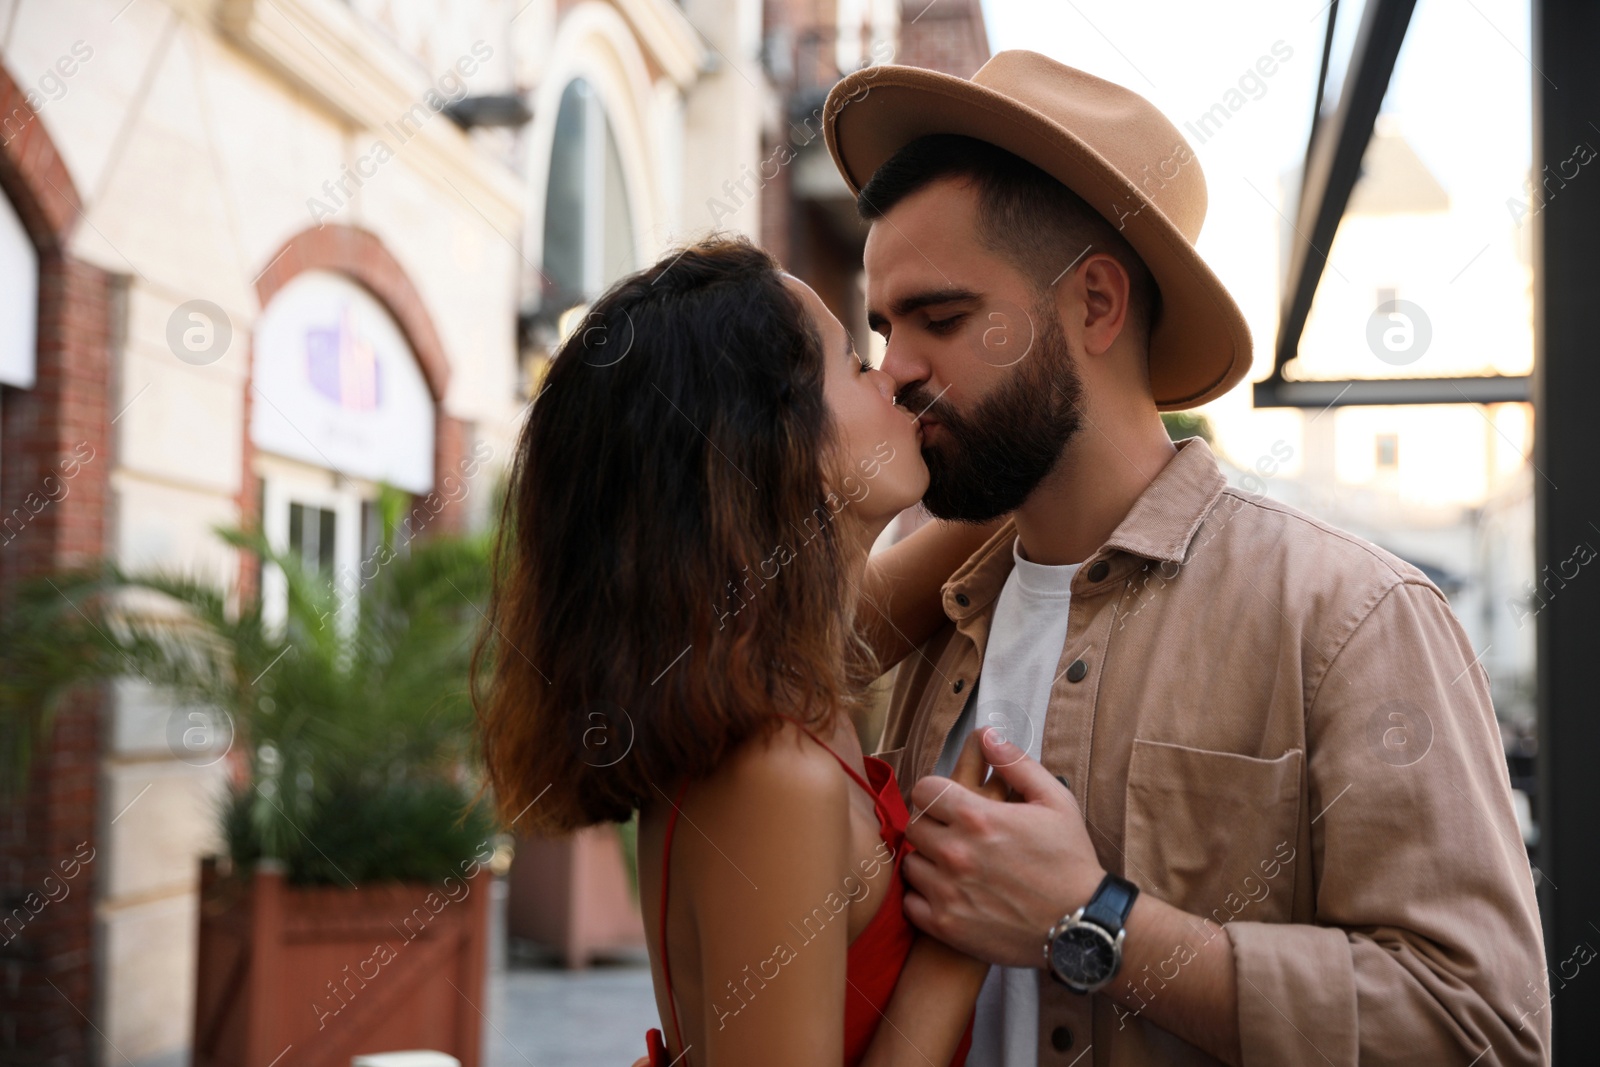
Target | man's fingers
(916,867)
(985,741)
(940,799)
(971,765)
(1026,775)
(918,910)
(936,801)
(927,796)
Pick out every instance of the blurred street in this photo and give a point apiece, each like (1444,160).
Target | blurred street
(546,1016)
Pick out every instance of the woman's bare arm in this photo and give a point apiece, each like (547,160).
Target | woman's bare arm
(900,604)
(932,1003)
(939,985)
(786,1002)
(770,849)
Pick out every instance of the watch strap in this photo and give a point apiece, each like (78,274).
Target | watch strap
(1111,903)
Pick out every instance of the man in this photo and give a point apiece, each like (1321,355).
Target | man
(1257,751)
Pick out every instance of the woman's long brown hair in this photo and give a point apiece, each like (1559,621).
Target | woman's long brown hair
(667,576)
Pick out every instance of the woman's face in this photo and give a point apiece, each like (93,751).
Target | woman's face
(878,470)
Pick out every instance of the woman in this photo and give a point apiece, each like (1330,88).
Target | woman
(684,618)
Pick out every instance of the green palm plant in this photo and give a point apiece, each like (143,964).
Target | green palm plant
(350,707)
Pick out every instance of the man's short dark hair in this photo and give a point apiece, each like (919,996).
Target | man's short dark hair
(1024,214)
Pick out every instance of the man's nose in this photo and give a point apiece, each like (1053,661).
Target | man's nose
(902,365)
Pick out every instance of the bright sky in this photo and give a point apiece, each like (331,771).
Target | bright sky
(1461,91)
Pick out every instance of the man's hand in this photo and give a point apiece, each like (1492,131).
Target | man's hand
(972,770)
(990,877)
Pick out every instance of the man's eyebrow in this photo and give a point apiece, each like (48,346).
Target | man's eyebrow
(917,301)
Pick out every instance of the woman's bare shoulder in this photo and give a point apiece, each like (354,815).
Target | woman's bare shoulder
(780,768)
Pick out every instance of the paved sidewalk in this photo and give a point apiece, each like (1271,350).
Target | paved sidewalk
(547,1017)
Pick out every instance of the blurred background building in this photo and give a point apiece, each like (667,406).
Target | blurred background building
(261,255)
(1445,486)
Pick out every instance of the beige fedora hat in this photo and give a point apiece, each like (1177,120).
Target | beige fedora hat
(1109,145)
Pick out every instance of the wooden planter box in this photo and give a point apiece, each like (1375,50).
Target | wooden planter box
(572,894)
(310,977)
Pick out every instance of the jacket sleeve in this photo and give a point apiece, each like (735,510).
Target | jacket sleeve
(1426,946)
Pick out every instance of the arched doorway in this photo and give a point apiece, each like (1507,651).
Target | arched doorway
(347,386)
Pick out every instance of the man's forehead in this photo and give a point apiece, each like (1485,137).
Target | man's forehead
(903,271)
(925,241)
(943,211)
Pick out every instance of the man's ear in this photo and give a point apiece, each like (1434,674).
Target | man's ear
(1095,299)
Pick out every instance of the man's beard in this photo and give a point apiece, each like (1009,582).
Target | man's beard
(1000,451)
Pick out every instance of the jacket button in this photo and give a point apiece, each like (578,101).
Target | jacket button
(1077,670)
(961,598)
(960,682)
(1061,1039)
(1098,570)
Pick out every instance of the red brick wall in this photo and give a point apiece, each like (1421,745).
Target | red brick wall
(776,198)
(47,977)
(943,35)
(362,257)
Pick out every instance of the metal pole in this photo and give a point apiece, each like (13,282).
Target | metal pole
(1566,389)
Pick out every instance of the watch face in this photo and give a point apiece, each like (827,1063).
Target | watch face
(1083,954)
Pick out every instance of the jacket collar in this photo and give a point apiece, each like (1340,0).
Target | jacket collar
(1163,521)
(1159,527)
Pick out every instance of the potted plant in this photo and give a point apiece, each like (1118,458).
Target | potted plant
(577,895)
(349,911)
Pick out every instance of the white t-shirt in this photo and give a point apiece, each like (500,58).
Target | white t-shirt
(1019,668)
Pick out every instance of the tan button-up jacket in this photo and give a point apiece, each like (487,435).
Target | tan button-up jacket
(1281,726)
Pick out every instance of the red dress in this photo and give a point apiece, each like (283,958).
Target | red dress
(876,956)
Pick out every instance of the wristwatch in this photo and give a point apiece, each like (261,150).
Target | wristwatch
(1084,950)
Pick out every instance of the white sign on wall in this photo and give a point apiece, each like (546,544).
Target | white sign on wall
(19,307)
(339,386)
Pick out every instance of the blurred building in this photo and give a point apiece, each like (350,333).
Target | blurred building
(809,218)
(262,256)
(1447,487)
(272,271)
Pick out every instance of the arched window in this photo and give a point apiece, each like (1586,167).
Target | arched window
(341,405)
(588,227)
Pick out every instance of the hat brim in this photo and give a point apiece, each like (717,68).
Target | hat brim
(1200,347)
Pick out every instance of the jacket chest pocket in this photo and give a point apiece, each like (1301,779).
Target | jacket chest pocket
(1214,833)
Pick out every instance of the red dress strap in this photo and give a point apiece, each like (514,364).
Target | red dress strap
(656,1048)
(851,771)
